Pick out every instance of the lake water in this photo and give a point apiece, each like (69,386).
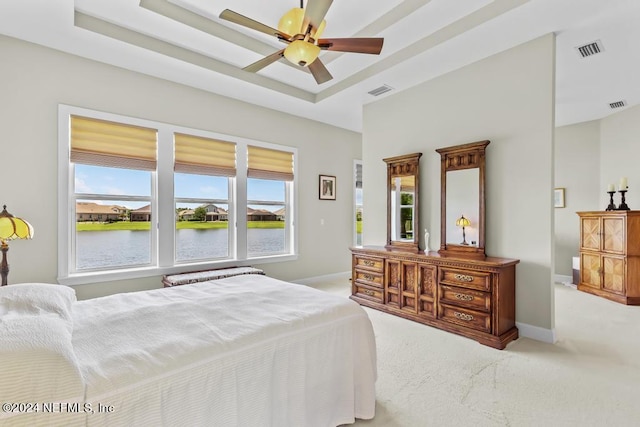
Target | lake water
(98,249)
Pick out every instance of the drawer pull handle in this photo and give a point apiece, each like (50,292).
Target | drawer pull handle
(463,278)
(463,316)
(368,277)
(463,297)
(368,292)
(368,263)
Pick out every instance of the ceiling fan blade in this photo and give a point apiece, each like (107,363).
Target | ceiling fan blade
(370,45)
(267,60)
(314,13)
(236,18)
(319,71)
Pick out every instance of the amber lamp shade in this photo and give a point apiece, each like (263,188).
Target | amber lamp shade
(11,228)
(463,222)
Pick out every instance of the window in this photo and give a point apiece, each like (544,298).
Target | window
(140,198)
(270,174)
(112,166)
(203,170)
(357,200)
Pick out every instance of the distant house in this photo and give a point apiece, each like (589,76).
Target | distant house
(260,215)
(185,215)
(215,213)
(89,211)
(280,214)
(141,214)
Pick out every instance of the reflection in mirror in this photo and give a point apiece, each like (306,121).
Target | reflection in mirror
(462,200)
(463,193)
(402,207)
(403,202)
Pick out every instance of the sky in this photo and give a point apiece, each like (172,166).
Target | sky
(129,182)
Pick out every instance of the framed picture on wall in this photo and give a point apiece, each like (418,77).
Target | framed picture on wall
(558,198)
(327,190)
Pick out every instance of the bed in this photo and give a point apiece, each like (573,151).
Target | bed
(240,351)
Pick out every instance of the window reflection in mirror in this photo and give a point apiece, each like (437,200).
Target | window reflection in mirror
(462,199)
(402,208)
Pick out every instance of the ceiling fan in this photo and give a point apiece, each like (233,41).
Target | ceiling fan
(301,29)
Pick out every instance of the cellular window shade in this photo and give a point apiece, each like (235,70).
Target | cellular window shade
(264,163)
(204,156)
(104,143)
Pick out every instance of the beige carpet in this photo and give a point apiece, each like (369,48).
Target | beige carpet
(590,377)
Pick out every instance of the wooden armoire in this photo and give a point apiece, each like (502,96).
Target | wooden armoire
(610,255)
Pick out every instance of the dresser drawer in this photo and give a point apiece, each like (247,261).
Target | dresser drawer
(463,297)
(367,292)
(374,264)
(466,279)
(370,278)
(465,317)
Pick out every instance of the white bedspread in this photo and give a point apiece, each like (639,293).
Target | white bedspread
(241,351)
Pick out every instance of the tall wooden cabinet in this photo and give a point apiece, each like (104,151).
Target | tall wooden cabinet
(610,255)
(470,297)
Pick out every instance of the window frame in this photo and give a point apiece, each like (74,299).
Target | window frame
(163,204)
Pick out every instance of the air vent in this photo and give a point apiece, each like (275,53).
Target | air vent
(590,49)
(380,90)
(618,104)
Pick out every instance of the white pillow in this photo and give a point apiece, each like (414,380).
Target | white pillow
(37,360)
(40,299)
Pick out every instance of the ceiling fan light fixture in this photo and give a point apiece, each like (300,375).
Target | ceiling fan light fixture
(291,23)
(301,53)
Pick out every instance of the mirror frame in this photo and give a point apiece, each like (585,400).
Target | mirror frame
(407,165)
(459,157)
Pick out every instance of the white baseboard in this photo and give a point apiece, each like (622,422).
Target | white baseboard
(559,278)
(310,281)
(536,333)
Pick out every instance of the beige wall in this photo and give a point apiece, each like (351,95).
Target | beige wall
(36,79)
(620,154)
(577,170)
(508,99)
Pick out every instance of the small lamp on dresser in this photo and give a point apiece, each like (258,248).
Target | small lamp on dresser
(11,228)
(463,222)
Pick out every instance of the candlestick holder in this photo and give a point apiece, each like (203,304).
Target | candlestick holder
(612,206)
(623,205)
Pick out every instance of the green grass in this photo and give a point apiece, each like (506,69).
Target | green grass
(141,225)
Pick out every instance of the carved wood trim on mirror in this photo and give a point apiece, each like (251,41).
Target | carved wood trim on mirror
(462,200)
(403,201)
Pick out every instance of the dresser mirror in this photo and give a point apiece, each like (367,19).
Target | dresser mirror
(403,185)
(462,200)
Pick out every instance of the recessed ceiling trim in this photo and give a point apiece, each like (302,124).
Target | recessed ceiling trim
(462,25)
(204,24)
(144,41)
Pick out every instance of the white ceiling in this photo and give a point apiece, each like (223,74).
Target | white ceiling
(185,41)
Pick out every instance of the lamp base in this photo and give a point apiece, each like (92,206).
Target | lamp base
(4,267)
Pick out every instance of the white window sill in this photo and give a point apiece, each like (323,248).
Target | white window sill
(84,278)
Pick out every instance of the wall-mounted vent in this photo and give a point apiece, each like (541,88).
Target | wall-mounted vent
(380,90)
(590,49)
(618,104)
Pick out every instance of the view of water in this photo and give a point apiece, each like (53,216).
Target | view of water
(95,249)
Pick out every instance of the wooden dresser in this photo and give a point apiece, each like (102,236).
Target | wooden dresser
(610,255)
(470,297)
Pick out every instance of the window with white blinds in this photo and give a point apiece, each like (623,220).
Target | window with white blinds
(143,197)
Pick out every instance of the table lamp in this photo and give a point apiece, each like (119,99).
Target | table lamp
(463,222)
(11,228)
